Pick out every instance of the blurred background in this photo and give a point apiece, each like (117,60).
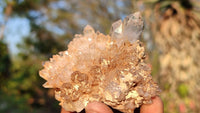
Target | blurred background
(31,31)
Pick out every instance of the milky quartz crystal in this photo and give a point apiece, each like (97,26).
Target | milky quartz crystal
(103,68)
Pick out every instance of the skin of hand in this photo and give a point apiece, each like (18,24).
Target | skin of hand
(97,107)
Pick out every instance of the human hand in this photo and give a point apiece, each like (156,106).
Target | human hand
(97,107)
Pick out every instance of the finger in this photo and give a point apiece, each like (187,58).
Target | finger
(63,111)
(155,107)
(97,107)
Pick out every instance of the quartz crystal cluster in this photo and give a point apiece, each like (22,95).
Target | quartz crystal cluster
(103,68)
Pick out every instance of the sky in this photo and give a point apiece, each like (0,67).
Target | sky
(15,29)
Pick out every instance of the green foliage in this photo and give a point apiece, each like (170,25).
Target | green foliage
(5,63)
(12,103)
(182,90)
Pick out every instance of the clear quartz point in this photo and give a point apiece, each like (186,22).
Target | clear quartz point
(116,29)
(130,29)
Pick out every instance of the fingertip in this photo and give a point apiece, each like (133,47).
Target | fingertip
(155,107)
(97,107)
(63,111)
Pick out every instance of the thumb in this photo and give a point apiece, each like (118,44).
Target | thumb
(155,107)
(97,107)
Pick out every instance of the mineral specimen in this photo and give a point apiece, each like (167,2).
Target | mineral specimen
(104,68)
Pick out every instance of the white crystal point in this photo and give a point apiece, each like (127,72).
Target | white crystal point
(133,26)
(88,30)
(116,29)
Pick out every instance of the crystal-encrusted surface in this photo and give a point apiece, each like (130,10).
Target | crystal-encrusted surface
(104,68)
